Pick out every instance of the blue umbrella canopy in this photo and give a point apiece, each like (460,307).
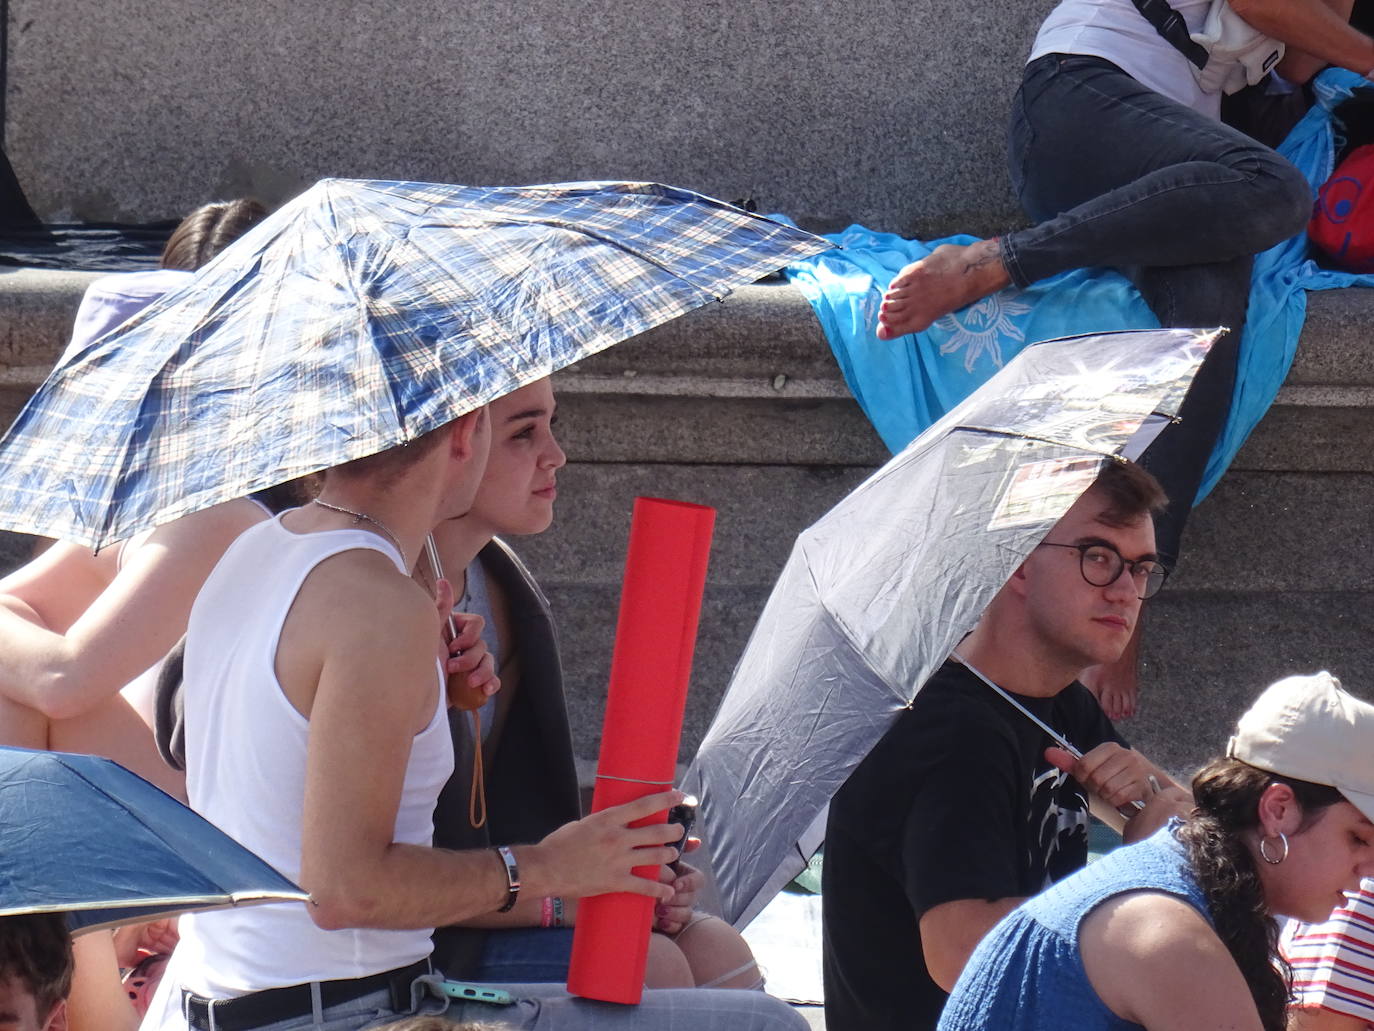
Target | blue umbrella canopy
(85,837)
(357,317)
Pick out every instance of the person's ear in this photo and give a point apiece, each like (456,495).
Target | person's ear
(1019,579)
(57,1019)
(464,434)
(1279,811)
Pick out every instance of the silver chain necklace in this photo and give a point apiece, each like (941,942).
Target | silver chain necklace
(358,517)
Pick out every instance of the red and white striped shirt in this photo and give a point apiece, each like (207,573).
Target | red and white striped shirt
(1333,963)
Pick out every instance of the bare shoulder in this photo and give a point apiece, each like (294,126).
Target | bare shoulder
(1143,922)
(362,588)
(218,524)
(357,621)
(1134,943)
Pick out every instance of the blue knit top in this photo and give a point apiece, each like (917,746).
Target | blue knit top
(1027,973)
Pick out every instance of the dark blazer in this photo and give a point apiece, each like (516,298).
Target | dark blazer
(530,773)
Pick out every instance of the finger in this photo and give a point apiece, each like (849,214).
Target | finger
(1060,759)
(653,835)
(470,627)
(669,913)
(471,662)
(1100,761)
(643,856)
(666,876)
(463,661)
(1124,787)
(659,801)
(691,845)
(443,601)
(491,686)
(636,885)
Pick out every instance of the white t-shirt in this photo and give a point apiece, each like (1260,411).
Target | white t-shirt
(1115,31)
(245,773)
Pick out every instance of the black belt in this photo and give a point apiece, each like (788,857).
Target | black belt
(273,1004)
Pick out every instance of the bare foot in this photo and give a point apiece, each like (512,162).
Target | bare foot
(950,277)
(1116,685)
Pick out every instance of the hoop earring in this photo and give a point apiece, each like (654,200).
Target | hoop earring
(1264,852)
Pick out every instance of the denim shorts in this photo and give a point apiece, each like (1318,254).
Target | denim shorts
(526,954)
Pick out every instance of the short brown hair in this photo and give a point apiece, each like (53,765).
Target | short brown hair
(36,950)
(391,464)
(1131,492)
(208,230)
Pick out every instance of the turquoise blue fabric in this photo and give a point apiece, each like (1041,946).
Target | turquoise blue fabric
(905,385)
(1027,973)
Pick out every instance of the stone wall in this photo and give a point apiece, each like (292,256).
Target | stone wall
(888,113)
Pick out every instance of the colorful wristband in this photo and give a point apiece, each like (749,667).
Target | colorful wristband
(546,911)
(507,858)
(557,906)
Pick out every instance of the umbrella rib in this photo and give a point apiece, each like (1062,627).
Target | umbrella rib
(990,431)
(151,902)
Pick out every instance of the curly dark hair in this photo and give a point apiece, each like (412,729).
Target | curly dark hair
(36,950)
(1227,793)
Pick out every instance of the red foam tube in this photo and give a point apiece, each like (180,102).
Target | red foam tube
(660,604)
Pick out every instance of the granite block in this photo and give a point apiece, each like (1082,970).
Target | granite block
(1311,437)
(886,113)
(760,510)
(1208,654)
(586,618)
(1335,345)
(1285,533)
(598,429)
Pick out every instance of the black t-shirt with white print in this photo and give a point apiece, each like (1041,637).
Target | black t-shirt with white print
(957,801)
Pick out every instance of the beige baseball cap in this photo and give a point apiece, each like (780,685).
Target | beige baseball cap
(1308,728)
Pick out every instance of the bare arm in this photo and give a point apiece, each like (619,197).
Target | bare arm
(61,663)
(1314,29)
(356,873)
(98,1001)
(1298,65)
(1153,960)
(952,930)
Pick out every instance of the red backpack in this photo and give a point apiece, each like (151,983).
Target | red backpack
(1342,223)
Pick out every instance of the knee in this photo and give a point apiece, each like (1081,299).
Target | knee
(666,966)
(1283,202)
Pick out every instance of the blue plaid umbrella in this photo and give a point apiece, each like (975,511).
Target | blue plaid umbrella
(359,316)
(85,837)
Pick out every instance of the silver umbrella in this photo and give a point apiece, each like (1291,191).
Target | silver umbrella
(878,592)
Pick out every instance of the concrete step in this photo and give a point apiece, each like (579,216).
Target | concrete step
(741,406)
(759,358)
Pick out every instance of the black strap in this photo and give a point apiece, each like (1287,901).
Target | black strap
(1170,24)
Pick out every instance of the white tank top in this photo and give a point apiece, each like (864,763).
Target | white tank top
(1115,31)
(245,753)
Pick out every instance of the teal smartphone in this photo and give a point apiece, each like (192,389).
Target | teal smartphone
(477,993)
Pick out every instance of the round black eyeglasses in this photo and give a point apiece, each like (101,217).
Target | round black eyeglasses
(1101,565)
